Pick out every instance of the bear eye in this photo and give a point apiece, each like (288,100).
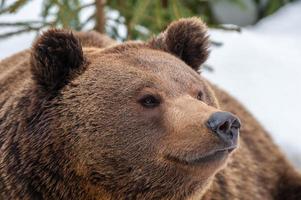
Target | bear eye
(200,96)
(149,101)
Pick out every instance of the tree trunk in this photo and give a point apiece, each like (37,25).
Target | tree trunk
(100,16)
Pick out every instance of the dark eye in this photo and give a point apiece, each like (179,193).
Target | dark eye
(200,96)
(149,101)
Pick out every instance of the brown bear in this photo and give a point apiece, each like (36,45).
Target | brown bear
(82,117)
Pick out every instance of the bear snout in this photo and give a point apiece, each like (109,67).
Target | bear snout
(226,127)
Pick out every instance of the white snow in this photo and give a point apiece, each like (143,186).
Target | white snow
(261,67)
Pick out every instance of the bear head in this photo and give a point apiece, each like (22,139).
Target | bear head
(131,121)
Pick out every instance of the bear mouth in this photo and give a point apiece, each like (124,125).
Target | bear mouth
(213,156)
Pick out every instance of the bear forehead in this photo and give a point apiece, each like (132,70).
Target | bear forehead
(141,65)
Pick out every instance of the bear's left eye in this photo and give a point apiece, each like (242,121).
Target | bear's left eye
(149,101)
(200,96)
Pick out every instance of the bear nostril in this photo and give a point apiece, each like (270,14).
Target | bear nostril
(236,124)
(224,127)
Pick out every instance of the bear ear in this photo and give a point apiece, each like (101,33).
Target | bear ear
(187,39)
(56,58)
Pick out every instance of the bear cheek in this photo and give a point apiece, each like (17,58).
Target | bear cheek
(131,136)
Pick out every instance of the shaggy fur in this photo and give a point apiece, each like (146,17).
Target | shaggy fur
(94,39)
(186,39)
(72,126)
(57,56)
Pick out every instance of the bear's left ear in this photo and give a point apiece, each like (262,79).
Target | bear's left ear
(187,39)
(56,58)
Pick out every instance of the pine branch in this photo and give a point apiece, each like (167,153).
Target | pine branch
(84,23)
(14,7)
(227,27)
(216,43)
(17,32)
(84,6)
(208,68)
(24,29)
(25,23)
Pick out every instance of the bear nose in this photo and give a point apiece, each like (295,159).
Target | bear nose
(225,125)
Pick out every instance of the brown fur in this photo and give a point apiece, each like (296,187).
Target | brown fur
(186,39)
(56,57)
(76,130)
(94,39)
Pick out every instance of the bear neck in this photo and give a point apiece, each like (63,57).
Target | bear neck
(184,190)
(38,174)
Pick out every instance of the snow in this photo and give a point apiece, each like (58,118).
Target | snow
(260,66)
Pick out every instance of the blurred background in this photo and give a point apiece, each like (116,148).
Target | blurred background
(255,51)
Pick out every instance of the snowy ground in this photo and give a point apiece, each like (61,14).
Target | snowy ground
(261,67)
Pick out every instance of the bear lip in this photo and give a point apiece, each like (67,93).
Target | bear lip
(215,155)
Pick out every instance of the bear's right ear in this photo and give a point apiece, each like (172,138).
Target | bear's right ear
(187,39)
(56,58)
